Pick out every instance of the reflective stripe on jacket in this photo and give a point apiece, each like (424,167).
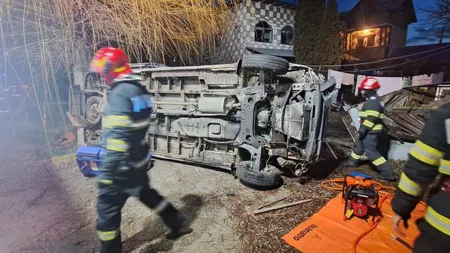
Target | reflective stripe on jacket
(429,157)
(125,123)
(371,115)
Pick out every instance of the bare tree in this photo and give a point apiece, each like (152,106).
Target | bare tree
(437,23)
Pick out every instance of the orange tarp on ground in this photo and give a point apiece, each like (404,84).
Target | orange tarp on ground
(327,232)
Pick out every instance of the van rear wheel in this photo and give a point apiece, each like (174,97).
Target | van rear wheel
(264,62)
(269,178)
(93,115)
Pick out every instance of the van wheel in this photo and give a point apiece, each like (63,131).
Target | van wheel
(92,113)
(275,64)
(269,178)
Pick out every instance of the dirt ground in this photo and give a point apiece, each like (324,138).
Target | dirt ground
(51,208)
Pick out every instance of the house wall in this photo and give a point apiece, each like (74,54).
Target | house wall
(233,40)
(241,31)
(366,54)
(398,38)
(353,52)
(367,14)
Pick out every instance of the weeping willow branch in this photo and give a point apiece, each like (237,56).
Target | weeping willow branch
(153,29)
(42,37)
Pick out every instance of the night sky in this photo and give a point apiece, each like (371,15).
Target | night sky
(418,4)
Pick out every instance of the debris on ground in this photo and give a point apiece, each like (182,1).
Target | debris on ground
(218,210)
(68,137)
(268,228)
(408,109)
(406,112)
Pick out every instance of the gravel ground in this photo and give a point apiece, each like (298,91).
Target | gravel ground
(51,208)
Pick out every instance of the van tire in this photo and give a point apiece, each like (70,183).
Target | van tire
(275,64)
(92,114)
(258,179)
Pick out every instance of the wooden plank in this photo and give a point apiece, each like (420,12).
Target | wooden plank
(409,123)
(271,203)
(269,209)
(402,124)
(351,129)
(339,142)
(395,125)
(250,212)
(332,151)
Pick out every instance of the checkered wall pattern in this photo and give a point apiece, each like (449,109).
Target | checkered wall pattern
(241,31)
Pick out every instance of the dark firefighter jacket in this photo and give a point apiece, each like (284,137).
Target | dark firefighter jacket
(429,157)
(125,124)
(371,116)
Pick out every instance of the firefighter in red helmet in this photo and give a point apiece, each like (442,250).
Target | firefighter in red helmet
(370,130)
(123,171)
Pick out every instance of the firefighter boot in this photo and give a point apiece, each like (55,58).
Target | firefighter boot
(177,223)
(352,163)
(181,230)
(386,172)
(111,246)
(388,177)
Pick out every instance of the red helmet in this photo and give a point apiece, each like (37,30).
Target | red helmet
(110,63)
(369,83)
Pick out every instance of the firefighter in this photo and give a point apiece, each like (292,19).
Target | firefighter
(429,160)
(123,171)
(371,129)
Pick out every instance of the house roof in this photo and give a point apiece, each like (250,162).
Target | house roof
(389,5)
(410,61)
(422,59)
(437,51)
(344,13)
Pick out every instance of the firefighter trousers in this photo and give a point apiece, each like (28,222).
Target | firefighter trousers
(112,196)
(369,146)
(426,243)
(434,227)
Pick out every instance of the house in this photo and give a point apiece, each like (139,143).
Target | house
(375,28)
(260,27)
(420,59)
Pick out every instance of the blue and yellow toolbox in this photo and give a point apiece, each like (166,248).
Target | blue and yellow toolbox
(89,160)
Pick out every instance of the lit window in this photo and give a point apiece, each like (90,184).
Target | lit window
(287,35)
(367,38)
(263,32)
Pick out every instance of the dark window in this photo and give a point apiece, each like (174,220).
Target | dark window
(388,34)
(360,43)
(348,44)
(287,35)
(371,41)
(383,36)
(263,32)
